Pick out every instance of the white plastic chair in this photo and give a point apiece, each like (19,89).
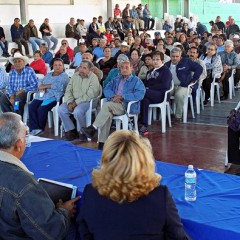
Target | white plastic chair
(28,101)
(124,119)
(212,90)
(165,110)
(40,76)
(53,118)
(231,84)
(70,72)
(66,66)
(185,105)
(92,109)
(48,67)
(199,99)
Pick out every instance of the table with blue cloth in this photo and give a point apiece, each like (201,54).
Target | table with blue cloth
(214,216)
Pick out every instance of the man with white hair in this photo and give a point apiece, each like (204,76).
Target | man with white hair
(27,212)
(229,61)
(122,89)
(22,79)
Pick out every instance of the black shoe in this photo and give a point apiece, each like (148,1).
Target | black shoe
(205,102)
(88,131)
(70,136)
(222,98)
(82,138)
(100,145)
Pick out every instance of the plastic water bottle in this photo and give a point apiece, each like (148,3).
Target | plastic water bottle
(28,141)
(190,184)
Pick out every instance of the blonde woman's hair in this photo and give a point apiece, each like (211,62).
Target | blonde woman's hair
(127,169)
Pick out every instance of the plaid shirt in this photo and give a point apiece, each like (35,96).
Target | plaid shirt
(25,80)
(3,78)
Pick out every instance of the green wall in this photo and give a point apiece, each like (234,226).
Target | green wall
(206,10)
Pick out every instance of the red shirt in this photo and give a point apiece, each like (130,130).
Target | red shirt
(39,66)
(69,52)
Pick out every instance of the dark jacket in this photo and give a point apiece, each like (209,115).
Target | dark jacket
(152,217)
(27,32)
(27,212)
(159,80)
(184,70)
(42,27)
(2,34)
(16,32)
(71,31)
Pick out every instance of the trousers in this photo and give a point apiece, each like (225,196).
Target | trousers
(233,147)
(104,118)
(79,113)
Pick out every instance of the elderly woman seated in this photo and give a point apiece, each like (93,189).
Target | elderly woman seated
(126,196)
(51,88)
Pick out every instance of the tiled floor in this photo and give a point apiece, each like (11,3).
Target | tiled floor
(201,142)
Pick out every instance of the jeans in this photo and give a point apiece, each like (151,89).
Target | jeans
(4,46)
(48,39)
(34,42)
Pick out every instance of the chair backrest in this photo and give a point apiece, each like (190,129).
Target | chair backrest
(168,92)
(238,106)
(66,66)
(70,72)
(39,76)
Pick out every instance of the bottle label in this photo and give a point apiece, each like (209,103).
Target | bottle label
(16,105)
(190,180)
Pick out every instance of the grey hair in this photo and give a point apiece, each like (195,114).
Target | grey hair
(228,43)
(10,129)
(176,50)
(89,64)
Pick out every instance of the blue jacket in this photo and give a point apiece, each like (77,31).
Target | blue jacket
(133,90)
(184,70)
(16,33)
(27,212)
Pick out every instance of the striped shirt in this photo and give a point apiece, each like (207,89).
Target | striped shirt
(25,80)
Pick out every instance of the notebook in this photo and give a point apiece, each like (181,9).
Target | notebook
(58,190)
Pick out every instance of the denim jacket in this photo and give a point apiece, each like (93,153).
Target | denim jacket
(133,90)
(184,70)
(26,211)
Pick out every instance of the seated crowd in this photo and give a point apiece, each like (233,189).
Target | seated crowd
(119,62)
(114,61)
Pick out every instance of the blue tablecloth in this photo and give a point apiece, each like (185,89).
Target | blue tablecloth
(214,216)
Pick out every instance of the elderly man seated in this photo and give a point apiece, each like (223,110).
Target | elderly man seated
(51,89)
(119,92)
(22,79)
(27,211)
(83,86)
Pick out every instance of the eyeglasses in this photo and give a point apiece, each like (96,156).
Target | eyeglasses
(211,49)
(64,43)
(156,59)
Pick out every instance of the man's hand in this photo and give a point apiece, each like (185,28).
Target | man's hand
(12,99)
(117,99)
(226,67)
(41,87)
(69,205)
(71,106)
(20,91)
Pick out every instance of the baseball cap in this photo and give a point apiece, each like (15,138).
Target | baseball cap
(122,58)
(157,33)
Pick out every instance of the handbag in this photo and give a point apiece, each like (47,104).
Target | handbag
(233,120)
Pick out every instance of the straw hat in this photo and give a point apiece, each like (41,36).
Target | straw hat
(18,55)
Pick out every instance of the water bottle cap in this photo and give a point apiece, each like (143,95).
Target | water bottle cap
(190,167)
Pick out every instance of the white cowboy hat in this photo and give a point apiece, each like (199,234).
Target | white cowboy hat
(18,55)
(125,44)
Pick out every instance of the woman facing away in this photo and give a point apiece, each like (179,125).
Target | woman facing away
(125,200)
